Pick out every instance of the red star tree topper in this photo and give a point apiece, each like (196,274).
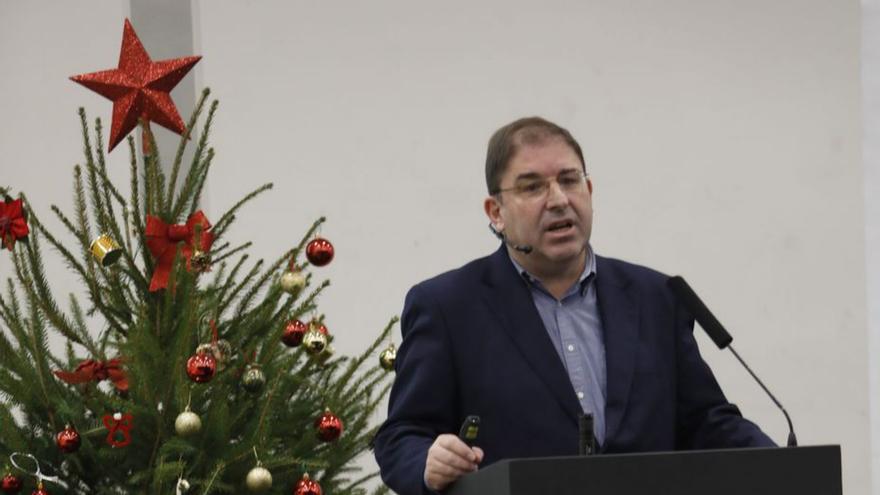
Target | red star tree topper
(139,88)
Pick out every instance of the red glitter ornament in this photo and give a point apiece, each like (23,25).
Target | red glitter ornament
(139,87)
(307,486)
(68,440)
(329,426)
(11,484)
(201,367)
(40,490)
(319,251)
(294,333)
(13,224)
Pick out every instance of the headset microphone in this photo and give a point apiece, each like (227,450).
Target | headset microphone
(525,249)
(522,249)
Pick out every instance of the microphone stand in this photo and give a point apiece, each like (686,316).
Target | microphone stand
(721,337)
(792,439)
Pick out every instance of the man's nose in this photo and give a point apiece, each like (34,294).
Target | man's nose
(555,195)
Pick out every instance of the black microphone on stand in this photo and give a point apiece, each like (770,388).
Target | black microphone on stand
(586,439)
(525,249)
(719,335)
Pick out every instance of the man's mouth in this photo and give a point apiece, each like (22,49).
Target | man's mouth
(560,225)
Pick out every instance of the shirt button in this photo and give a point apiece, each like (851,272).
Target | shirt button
(580,395)
(570,348)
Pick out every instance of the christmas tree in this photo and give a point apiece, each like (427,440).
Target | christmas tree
(187,367)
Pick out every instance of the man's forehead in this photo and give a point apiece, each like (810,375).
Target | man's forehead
(552,144)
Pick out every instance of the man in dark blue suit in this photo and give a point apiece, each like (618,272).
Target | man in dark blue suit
(542,331)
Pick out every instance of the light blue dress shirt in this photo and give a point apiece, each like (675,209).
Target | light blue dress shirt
(575,328)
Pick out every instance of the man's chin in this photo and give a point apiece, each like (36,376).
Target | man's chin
(567,253)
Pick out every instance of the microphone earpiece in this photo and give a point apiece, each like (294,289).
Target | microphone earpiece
(495,231)
(500,235)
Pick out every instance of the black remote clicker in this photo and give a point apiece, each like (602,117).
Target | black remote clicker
(470,428)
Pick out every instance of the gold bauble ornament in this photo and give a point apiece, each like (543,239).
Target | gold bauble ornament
(206,348)
(105,250)
(259,479)
(200,261)
(187,423)
(253,378)
(221,350)
(314,341)
(387,357)
(293,281)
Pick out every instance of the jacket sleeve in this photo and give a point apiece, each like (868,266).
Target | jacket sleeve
(706,420)
(422,404)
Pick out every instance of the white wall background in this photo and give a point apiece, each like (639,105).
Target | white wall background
(724,139)
(871,159)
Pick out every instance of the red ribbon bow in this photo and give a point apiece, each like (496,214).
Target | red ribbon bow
(122,425)
(12,223)
(96,371)
(162,240)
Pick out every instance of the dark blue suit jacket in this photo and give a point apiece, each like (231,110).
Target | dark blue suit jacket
(474,343)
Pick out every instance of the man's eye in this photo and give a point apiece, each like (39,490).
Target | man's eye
(531,187)
(569,181)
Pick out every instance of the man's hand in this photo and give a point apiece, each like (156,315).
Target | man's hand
(449,459)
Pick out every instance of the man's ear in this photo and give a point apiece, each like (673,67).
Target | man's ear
(492,207)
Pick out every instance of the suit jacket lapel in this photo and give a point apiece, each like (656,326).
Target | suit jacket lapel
(619,309)
(511,302)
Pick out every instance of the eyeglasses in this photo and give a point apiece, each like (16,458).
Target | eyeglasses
(534,188)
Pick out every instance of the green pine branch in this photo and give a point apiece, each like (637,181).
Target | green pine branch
(153,334)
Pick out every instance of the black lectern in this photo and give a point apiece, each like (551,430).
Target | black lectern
(770,471)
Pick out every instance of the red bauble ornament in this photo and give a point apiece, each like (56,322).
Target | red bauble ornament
(68,440)
(307,486)
(40,491)
(139,87)
(319,251)
(329,426)
(294,333)
(11,484)
(201,367)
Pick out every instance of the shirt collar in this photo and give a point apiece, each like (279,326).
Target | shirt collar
(586,277)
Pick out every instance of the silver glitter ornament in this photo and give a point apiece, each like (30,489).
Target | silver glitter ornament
(187,423)
(293,281)
(259,479)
